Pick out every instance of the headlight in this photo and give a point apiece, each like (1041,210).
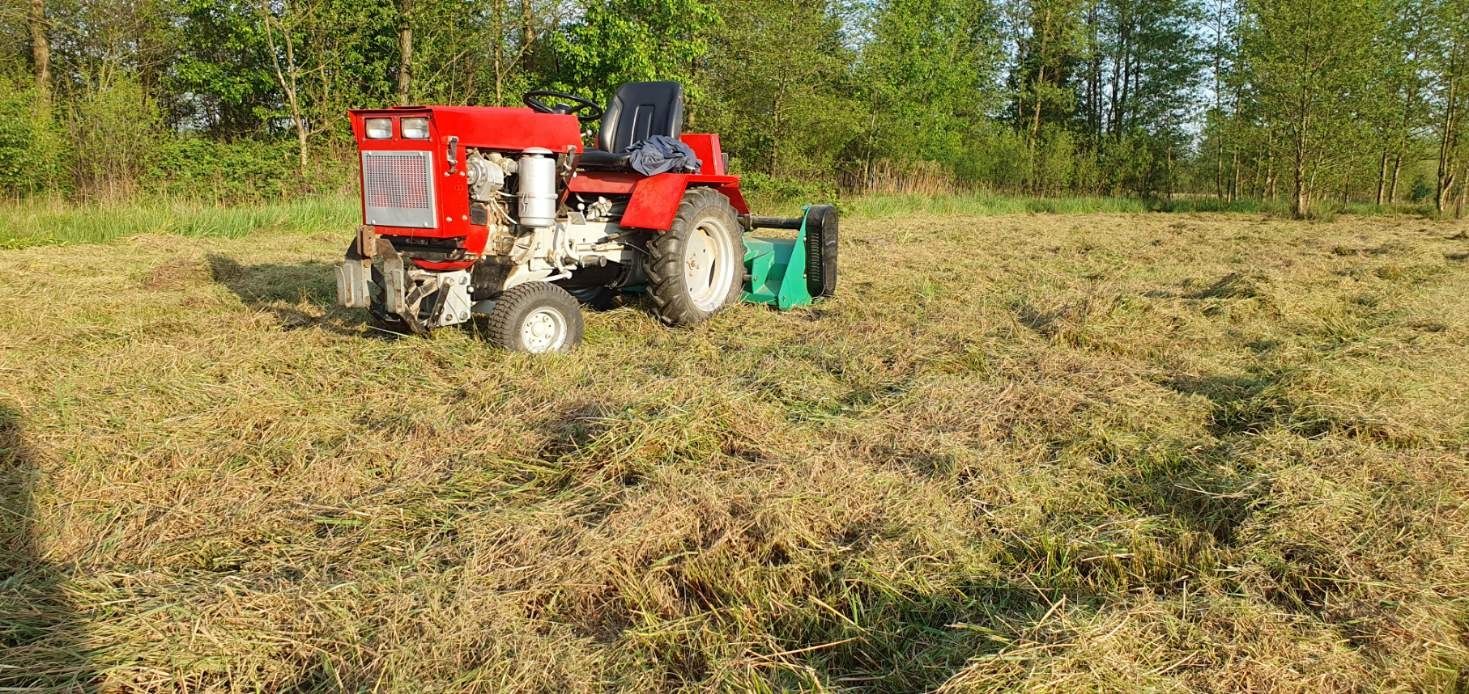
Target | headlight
(415,128)
(379,128)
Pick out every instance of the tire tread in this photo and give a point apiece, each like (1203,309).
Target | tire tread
(503,328)
(670,299)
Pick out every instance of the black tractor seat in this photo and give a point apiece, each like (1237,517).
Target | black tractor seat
(604,161)
(639,111)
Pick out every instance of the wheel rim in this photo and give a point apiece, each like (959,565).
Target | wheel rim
(544,330)
(708,265)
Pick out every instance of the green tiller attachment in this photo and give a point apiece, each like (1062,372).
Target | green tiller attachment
(778,271)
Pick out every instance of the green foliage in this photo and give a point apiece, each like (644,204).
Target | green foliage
(771,193)
(620,41)
(239,171)
(500,67)
(221,78)
(340,54)
(776,89)
(30,146)
(1051,39)
(928,77)
(115,131)
(996,155)
(1054,167)
(1347,102)
(1307,72)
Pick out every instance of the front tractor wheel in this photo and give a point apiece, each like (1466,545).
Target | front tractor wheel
(698,266)
(536,317)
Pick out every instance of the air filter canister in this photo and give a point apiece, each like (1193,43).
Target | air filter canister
(537,188)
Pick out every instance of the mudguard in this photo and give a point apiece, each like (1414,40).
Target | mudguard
(653,200)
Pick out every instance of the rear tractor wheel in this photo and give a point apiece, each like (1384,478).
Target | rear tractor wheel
(536,317)
(698,266)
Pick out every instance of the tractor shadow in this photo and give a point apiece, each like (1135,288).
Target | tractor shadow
(299,295)
(304,295)
(42,637)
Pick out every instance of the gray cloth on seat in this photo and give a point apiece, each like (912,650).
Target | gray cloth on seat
(661,153)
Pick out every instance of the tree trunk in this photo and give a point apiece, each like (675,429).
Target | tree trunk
(302,147)
(1270,172)
(1300,202)
(1258,178)
(1234,180)
(1219,103)
(1404,135)
(286,78)
(1094,77)
(40,51)
(1035,132)
(1120,109)
(1381,176)
(1447,143)
(1463,192)
(1170,172)
(1446,180)
(497,50)
(1043,31)
(869,167)
(405,51)
(1219,168)
(1397,168)
(527,33)
(1035,120)
(775,128)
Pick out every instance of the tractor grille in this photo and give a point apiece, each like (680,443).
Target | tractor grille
(398,189)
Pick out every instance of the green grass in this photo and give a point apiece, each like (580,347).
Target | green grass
(987,204)
(891,206)
(46,222)
(1086,452)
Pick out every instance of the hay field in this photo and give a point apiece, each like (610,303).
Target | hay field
(1140,451)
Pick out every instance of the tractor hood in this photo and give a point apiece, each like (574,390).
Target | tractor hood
(488,127)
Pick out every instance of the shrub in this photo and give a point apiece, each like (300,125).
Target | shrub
(1055,163)
(761,187)
(241,171)
(29,144)
(115,132)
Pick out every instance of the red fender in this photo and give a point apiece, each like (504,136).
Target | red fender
(654,200)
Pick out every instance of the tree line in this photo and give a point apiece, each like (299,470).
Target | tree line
(1304,102)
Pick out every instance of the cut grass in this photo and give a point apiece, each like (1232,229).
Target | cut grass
(1086,452)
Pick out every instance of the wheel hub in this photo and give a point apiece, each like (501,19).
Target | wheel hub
(707,258)
(544,330)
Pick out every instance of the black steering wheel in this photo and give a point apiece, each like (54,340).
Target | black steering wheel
(576,107)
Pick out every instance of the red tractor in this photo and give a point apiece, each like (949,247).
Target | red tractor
(504,213)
